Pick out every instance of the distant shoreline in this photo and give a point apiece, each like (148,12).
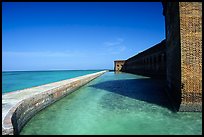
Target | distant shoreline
(54,70)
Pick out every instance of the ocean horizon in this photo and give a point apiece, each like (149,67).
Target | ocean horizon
(52,70)
(18,80)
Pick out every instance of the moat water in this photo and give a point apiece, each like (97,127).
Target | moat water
(115,104)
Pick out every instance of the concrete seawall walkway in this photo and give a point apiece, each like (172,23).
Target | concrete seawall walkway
(19,106)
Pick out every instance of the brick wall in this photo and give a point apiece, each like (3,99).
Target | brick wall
(178,59)
(151,62)
(118,64)
(173,53)
(191,53)
(184,54)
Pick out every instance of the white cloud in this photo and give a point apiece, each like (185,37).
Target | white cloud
(115,47)
(118,41)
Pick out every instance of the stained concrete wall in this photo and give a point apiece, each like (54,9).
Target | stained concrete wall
(19,106)
(151,62)
(184,54)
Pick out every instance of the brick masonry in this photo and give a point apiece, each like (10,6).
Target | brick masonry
(118,64)
(184,53)
(151,62)
(178,59)
(191,53)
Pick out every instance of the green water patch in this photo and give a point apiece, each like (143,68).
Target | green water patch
(115,104)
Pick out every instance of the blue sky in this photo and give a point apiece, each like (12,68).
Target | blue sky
(77,35)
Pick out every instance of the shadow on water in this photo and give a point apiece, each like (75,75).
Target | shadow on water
(144,89)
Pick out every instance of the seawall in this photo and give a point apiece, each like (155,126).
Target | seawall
(19,106)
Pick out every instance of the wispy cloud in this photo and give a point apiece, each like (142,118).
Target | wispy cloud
(118,41)
(115,47)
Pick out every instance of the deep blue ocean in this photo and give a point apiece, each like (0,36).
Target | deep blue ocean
(17,80)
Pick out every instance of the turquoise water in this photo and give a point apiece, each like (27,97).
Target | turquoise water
(115,104)
(16,80)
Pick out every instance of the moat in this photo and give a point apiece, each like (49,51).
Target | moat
(115,103)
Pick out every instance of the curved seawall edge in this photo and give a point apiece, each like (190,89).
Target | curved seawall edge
(18,107)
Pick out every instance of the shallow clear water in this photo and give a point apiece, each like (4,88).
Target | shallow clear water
(115,104)
(17,80)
